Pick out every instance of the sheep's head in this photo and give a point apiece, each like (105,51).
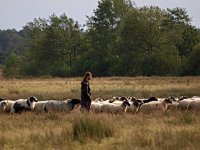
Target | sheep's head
(168,100)
(172,98)
(115,98)
(125,103)
(31,102)
(152,99)
(1,99)
(111,100)
(99,99)
(133,99)
(32,99)
(129,97)
(195,97)
(182,98)
(74,102)
(4,104)
(138,103)
(123,98)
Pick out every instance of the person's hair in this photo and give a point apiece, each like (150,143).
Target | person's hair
(88,73)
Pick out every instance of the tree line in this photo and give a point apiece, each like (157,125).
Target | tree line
(119,39)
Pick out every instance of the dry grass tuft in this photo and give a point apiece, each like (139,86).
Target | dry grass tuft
(86,129)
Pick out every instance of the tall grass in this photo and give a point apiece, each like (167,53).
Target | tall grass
(91,129)
(178,130)
(169,130)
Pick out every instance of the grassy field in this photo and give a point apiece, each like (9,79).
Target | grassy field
(169,130)
(63,88)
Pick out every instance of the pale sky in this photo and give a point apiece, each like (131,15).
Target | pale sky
(16,13)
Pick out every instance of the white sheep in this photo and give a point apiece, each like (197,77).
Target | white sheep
(3,105)
(183,104)
(137,103)
(23,105)
(99,100)
(182,98)
(97,103)
(96,107)
(6,105)
(134,106)
(194,105)
(195,98)
(114,108)
(173,106)
(62,106)
(156,105)
(39,106)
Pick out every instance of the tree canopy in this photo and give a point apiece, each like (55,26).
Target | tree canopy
(120,39)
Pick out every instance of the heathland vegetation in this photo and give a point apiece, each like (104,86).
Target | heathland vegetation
(153,130)
(119,39)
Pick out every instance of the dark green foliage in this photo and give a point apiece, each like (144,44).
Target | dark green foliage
(194,65)
(12,41)
(54,46)
(120,40)
(13,66)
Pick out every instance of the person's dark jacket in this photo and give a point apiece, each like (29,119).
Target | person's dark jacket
(85,90)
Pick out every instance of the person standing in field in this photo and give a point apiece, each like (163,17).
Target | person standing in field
(86,92)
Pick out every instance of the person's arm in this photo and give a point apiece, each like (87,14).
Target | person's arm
(89,90)
(86,91)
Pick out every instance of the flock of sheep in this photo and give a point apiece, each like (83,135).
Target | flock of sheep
(32,104)
(114,105)
(134,105)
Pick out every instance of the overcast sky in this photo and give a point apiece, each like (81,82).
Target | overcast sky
(16,13)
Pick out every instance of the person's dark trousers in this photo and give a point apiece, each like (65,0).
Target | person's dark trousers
(85,105)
